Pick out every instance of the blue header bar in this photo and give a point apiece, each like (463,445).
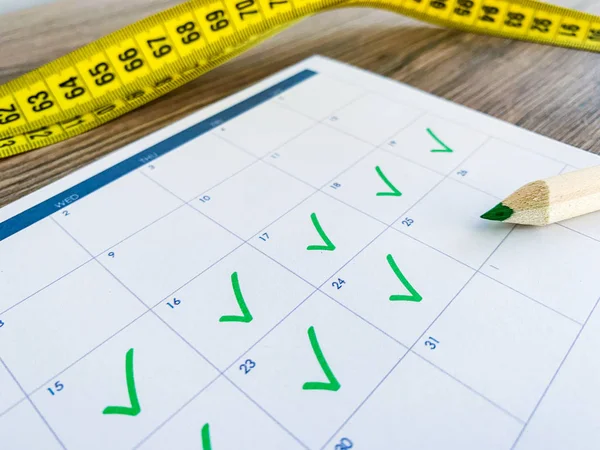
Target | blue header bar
(77,192)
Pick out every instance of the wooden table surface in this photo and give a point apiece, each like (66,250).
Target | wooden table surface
(552,91)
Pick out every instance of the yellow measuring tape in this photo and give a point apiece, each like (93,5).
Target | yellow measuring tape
(143,61)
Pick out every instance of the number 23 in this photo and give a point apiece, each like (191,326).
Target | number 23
(247,366)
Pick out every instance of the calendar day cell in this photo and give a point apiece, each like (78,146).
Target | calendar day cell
(264,128)
(501,344)
(232,305)
(448,219)
(319,154)
(22,428)
(383,185)
(318,237)
(225,417)
(162,257)
(554,265)
(315,368)
(373,118)
(120,392)
(252,199)
(319,96)
(116,211)
(197,166)
(499,168)
(567,417)
(60,324)
(420,407)
(10,393)
(436,143)
(588,224)
(399,285)
(35,257)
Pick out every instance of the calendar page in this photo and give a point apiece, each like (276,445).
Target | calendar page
(302,265)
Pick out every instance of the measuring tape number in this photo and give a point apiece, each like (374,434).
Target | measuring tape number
(130,67)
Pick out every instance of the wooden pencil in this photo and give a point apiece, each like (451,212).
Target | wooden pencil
(551,200)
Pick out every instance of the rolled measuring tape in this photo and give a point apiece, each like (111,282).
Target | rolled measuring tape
(130,67)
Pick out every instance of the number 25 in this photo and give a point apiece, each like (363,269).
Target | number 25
(408,221)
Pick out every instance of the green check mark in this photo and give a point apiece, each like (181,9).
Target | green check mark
(394,192)
(134,409)
(206,445)
(329,246)
(332,383)
(414,295)
(246,315)
(444,149)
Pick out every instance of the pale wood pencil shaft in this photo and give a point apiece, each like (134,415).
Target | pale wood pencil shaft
(552,200)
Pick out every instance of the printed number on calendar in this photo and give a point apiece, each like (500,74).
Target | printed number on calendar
(58,386)
(247,366)
(338,284)
(432,343)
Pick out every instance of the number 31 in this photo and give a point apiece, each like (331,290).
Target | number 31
(432,343)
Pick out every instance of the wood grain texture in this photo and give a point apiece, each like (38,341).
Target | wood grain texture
(552,91)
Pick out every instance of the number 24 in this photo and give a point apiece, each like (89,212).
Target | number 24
(338,284)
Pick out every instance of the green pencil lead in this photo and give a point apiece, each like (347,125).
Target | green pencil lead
(499,212)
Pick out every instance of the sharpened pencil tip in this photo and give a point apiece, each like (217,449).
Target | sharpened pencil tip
(499,212)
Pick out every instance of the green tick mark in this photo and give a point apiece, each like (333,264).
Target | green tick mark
(134,409)
(332,383)
(445,148)
(394,191)
(206,445)
(414,295)
(329,247)
(246,316)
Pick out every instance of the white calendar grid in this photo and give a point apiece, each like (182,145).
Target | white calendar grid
(135,246)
